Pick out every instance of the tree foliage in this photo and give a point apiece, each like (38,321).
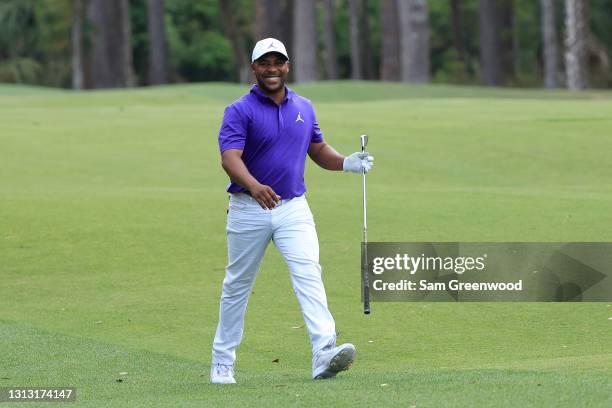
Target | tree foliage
(35,45)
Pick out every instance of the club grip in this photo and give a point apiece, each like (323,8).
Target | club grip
(366,280)
(366,305)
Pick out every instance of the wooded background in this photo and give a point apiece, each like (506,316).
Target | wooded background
(87,44)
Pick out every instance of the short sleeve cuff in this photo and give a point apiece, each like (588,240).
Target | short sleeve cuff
(233,145)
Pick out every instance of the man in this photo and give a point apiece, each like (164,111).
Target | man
(264,139)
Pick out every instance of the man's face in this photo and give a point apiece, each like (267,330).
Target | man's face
(271,72)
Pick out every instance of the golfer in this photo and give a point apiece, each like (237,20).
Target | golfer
(264,139)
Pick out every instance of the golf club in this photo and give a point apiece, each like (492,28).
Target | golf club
(364,261)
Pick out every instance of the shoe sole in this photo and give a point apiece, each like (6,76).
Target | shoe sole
(342,361)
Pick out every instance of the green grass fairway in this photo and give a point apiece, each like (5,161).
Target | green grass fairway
(112,247)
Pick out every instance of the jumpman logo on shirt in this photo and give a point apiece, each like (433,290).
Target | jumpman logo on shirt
(299,118)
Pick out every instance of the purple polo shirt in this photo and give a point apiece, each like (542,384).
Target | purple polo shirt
(274,139)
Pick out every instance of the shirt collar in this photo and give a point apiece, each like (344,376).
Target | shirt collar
(261,95)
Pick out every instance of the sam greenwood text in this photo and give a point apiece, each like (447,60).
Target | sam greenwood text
(423,284)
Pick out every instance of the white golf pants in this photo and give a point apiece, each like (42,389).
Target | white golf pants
(249,230)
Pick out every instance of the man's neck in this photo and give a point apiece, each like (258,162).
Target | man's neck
(277,96)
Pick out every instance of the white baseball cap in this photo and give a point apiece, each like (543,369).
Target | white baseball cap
(268,45)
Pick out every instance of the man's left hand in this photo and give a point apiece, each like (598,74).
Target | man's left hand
(358,162)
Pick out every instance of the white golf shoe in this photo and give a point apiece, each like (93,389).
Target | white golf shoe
(329,362)
(222,374)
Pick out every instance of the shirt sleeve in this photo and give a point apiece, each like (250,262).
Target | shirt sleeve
(317,135)
(233,131)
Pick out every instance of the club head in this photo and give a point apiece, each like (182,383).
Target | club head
(364,141)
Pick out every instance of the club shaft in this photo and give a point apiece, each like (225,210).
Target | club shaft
(365,211)
(366,281)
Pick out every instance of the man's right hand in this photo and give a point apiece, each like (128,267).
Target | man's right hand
(265,196)
(231,160)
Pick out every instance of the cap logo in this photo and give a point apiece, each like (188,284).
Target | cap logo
(271,45)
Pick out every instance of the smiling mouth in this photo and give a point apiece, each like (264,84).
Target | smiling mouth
(272,80)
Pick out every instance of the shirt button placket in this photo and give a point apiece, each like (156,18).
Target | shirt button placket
(281,123)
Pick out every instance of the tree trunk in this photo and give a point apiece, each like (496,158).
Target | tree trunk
(496,41)
(111,63)
(507,39)
(78,80)
(414,41)
(127,67)
(158,46)
(458,38)
(287,25)
(490,44)
(103,71)
(575,43)
(549,42)
(305,65)
(233,32)
(389,69)
(354,8)
(267,19)
(331,65)
(367,60)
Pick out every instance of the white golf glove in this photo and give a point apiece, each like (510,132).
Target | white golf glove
(358,162)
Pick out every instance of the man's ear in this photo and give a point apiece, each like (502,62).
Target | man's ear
(288,66)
